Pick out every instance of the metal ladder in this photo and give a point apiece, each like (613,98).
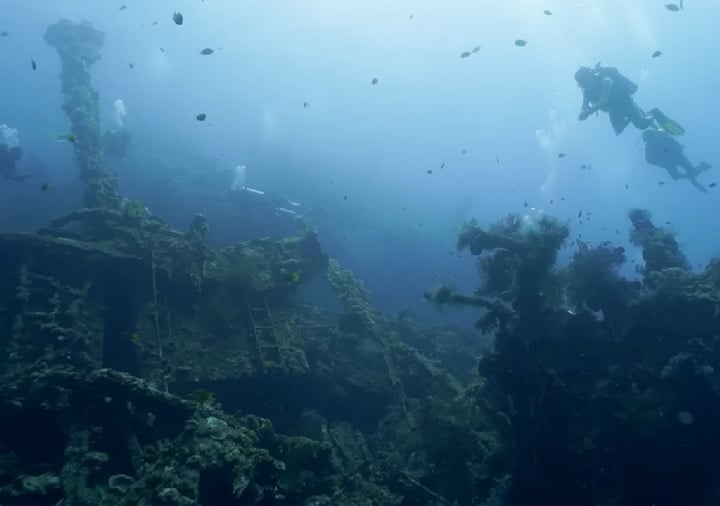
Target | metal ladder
(264,333)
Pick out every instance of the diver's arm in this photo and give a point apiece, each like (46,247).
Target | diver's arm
(586,102)
(605,89)
(585,109)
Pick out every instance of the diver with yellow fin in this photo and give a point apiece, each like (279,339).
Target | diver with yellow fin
(668,125)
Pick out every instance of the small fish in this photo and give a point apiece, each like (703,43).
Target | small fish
(178,18)
(4,34)
(561,155)
(45,187)
(33,65)
(442,165)
(207,51)
(551,201)
(476,49)
(464,151)
(131,65)
(583,167)
(344,197)
(661,182)
(497,159)
(123,7)
(374,81)
(134,337)
(292,277)
(203,397)
(465,54)
(154,23)
(306,104)
(657,54)
(411,17)
(627,186)
(547,12)
(520,42)
(580,213)
(71,138)
(201,117)
(429,171)
(712,185)
(672,7)
(668,223)
(526,205)
(162,49)
(562,198)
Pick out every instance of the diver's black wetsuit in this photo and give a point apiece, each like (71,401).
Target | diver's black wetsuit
(619,105)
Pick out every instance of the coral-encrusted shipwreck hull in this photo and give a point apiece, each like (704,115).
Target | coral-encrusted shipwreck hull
(120,339)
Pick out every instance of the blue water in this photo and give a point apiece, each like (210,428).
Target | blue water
(360,152)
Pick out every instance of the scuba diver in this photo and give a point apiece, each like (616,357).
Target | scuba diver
(10,154)
(9,157)
(262,213)
(663,150)
(264,202)
(606,89)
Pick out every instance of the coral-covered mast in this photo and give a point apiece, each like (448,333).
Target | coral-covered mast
(78,45)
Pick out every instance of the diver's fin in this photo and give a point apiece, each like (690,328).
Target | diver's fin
(697,185)
(702,167)
(669,125)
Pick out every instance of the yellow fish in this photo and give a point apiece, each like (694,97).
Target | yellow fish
(65,137)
